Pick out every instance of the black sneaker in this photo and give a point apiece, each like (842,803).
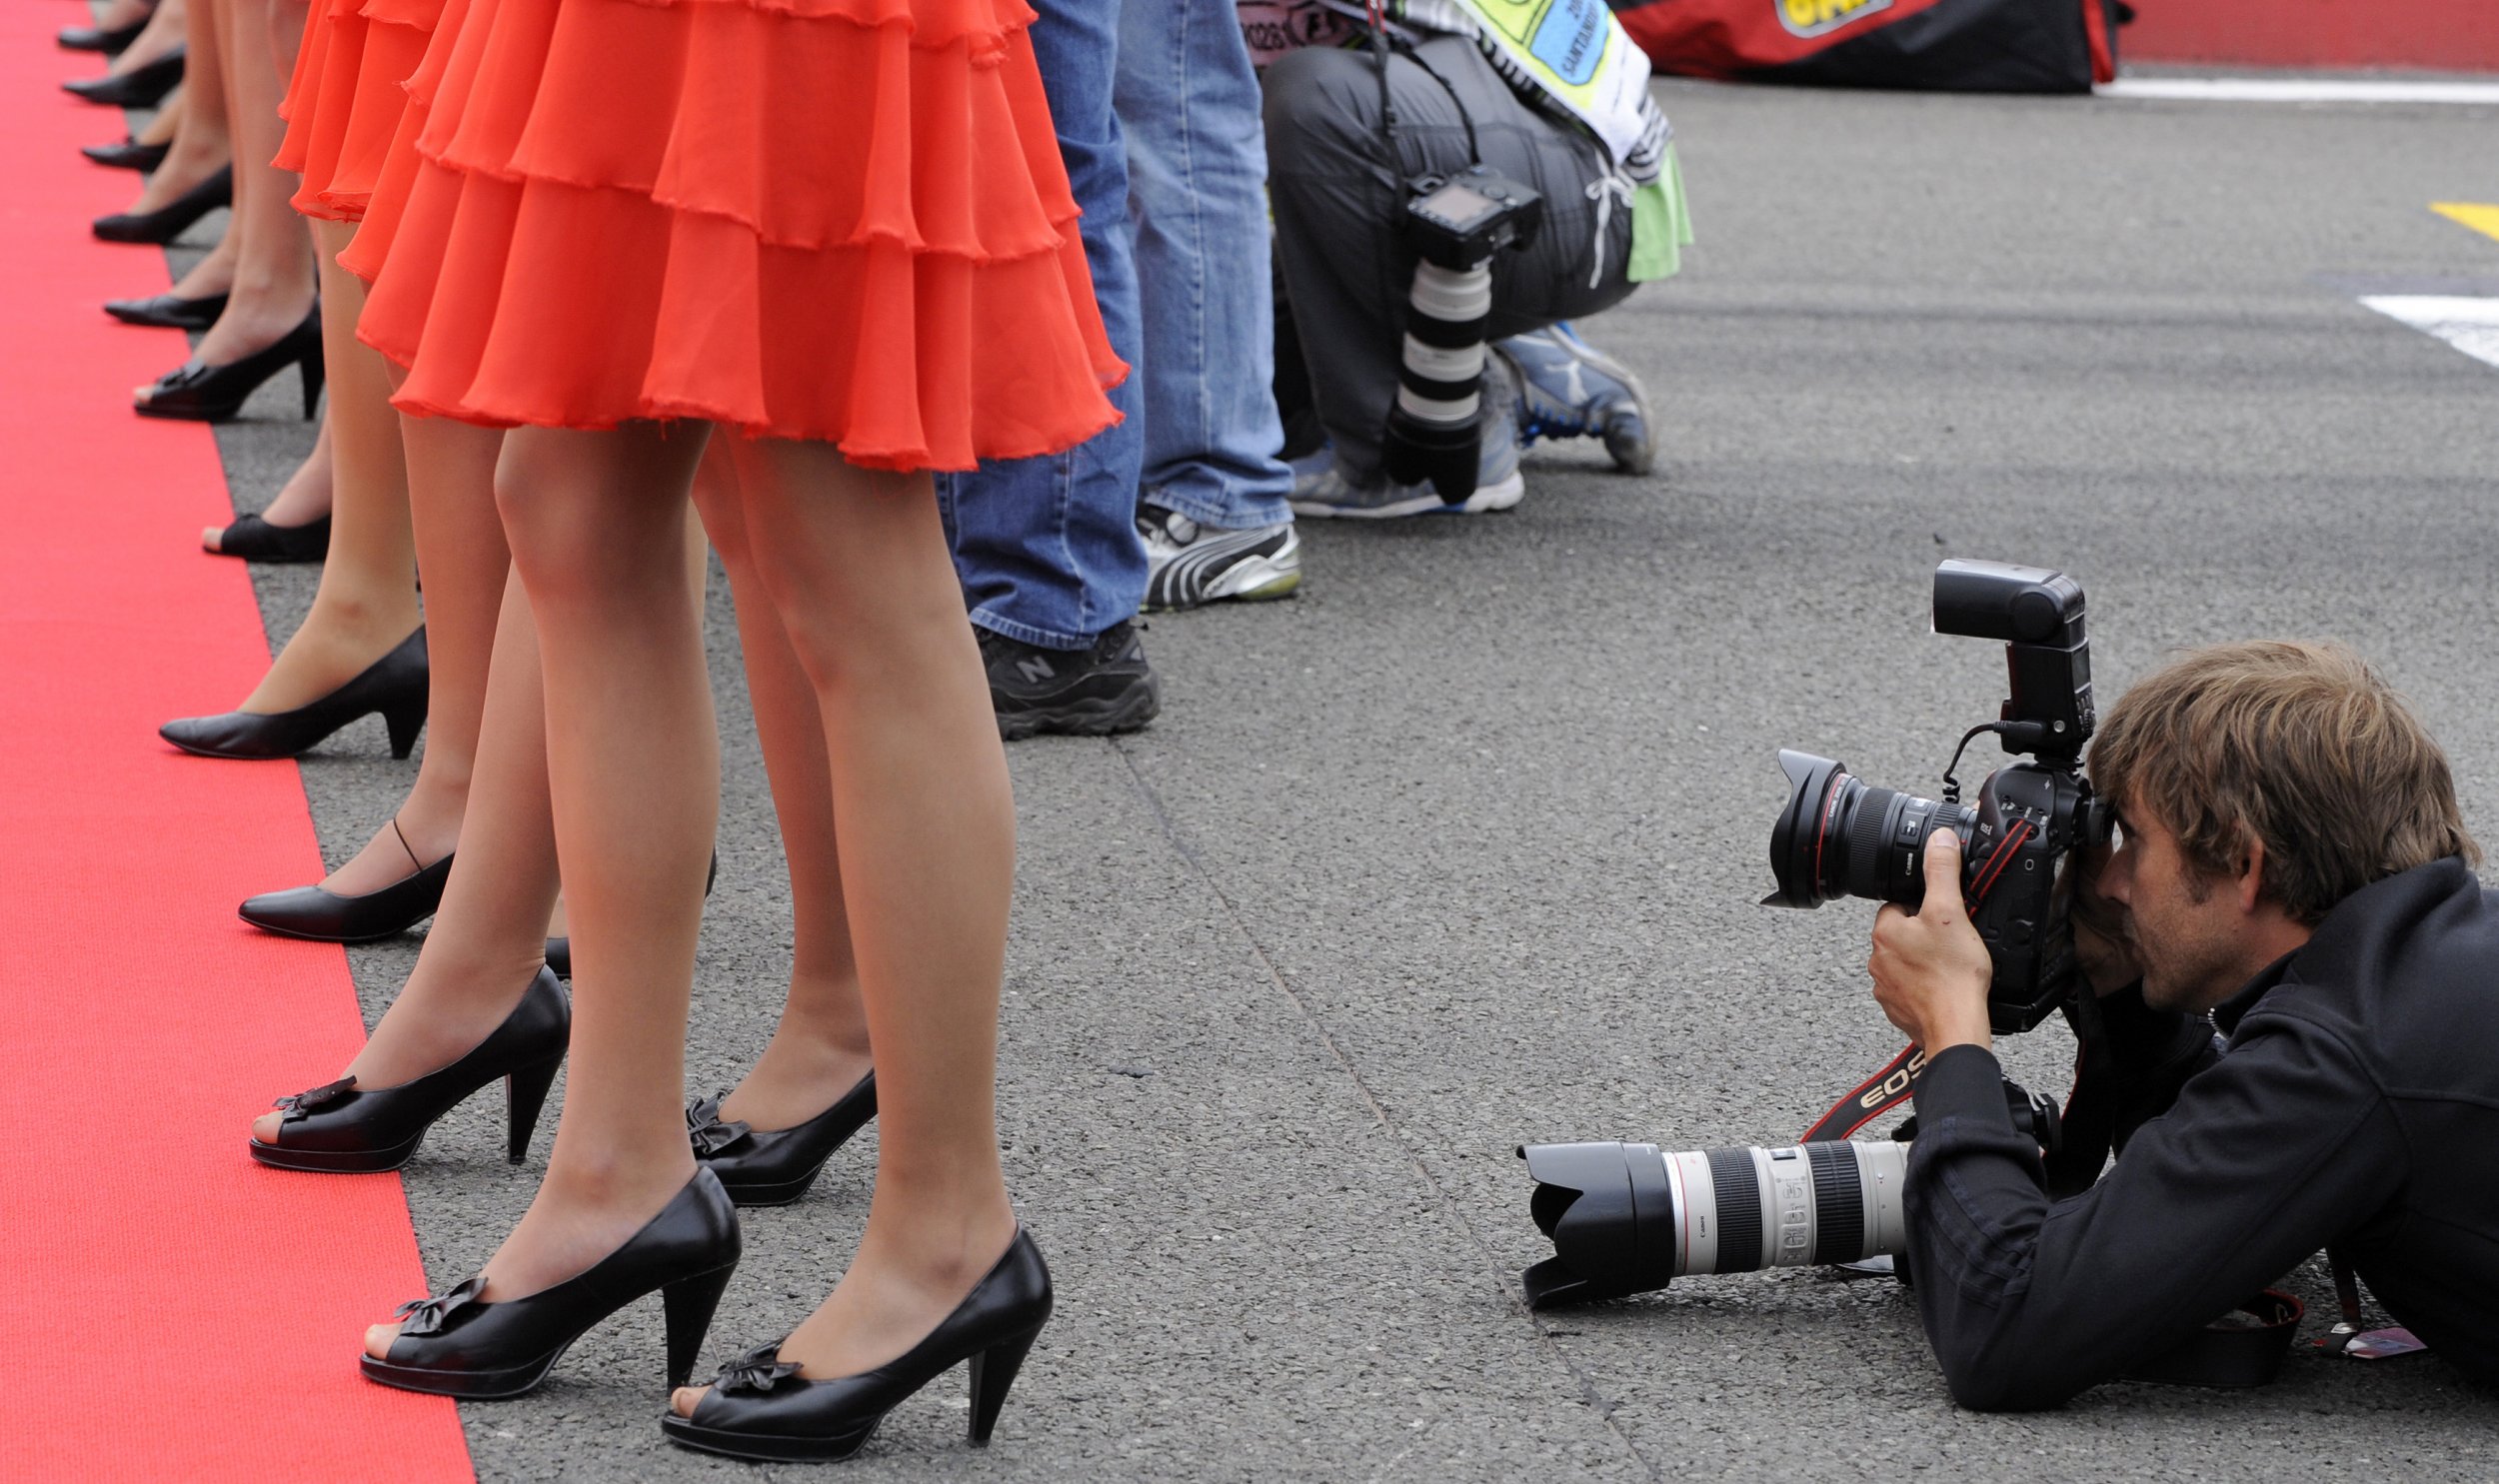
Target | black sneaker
(1075,692)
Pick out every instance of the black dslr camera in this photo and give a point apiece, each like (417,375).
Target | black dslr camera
(1840,836)
(1455,224)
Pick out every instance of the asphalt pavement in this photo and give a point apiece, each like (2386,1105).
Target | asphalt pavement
(1461,846)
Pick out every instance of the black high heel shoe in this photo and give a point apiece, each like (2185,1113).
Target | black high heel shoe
(96,39)
(343,1129)
(455,1344)
(168,311)
(130,154)
(199,393)
(394,684)
(254,540)
(761,1408)
(143,86)
(560,949)
(323,915)
(774,1166)
(174,218)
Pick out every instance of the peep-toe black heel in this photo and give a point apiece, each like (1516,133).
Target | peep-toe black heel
(325,917)
(196,392)
(174,218)
(343,1129)
(454,1344)
(395,686)
(761,1408)
(773,1168)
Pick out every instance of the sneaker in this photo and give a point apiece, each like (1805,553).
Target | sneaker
(1189,565)
(1498,484)
(1091,692)
(1569,389)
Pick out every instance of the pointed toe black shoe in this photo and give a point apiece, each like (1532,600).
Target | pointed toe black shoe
(761,1408)
(394,684)
(196,392)
(252,538)
(325,917)
(343,1129)
(455,1344)
(96,39)
(168,311)
(174,218)
(773,1168)
(129,154)
(143,86)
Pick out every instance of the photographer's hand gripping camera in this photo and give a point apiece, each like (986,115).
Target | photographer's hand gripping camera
(1626,1218)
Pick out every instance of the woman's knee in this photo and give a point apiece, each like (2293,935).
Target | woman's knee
(579,522)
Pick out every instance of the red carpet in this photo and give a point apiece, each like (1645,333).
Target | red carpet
(168,1309)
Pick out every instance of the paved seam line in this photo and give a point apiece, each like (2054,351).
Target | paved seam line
(1589,1392)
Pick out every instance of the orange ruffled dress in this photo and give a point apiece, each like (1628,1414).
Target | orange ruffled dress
(343,102)
(836,220)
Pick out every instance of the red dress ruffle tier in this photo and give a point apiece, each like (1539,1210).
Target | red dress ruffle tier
(836,220)
(343,102)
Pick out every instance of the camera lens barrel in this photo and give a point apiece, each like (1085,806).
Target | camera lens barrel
(1435,427)
(1842,837)
(1628,1218)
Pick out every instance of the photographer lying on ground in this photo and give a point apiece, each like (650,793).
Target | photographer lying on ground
(2292,860)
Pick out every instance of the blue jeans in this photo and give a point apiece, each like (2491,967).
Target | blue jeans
(1197,161)
(1048,547)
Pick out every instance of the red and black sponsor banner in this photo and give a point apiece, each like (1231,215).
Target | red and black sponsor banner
(1971,46)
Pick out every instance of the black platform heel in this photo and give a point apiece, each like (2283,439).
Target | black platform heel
(143,86)
(174,218)
(128,154)
(761,1407)
(454,1344)
(394,684)
(168,311)
(774,1168)
(325,917)
(251,539)
(196,392)
(343,1129)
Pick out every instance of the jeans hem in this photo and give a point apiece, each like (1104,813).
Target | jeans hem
(1025,633)
(1226,510)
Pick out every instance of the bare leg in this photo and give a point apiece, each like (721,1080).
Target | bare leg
(303,500)
(367,602)
(274,269)
(120,13)
(205,140)
(820,1050)
(857,564)
(597,522)
(163,32)
(160,126)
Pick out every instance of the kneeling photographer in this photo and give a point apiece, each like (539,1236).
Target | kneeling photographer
(2290,860)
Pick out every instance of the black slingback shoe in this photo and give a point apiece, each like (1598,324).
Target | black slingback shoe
(174,218)
(323,915)
(129,154)
(96,39)
(455,1344)
(168,311)
(196,392)
(343,1129)
(560,949)
(255,540)
(774,1166)
(143,86)
(761,1408)
(394,684)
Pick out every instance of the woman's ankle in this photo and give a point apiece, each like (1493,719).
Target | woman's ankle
(807,1068)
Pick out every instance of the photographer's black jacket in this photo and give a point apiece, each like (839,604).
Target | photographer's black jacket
(2356,1105)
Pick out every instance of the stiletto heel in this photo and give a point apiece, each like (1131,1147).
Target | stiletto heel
(196,392)
(343,1129)
(524,1093)
(993,1371)
(312,369)
(404,722)
(690,1303)
(394,684)
(455,1344)
(761,1407)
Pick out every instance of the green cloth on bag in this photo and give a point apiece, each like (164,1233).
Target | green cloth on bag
(1662,225)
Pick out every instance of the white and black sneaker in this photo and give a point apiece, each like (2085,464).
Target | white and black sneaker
(1189,565)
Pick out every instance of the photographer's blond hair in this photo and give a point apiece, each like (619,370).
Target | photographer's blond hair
(2298,745)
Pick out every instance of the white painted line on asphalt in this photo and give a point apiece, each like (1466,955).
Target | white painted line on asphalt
(2299,90)
(2470,324)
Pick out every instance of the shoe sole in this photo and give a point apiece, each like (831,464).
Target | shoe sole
(763,1447)
(324,937)
(1503,494)
(335,1161)
(1127,712)
(782,1194)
